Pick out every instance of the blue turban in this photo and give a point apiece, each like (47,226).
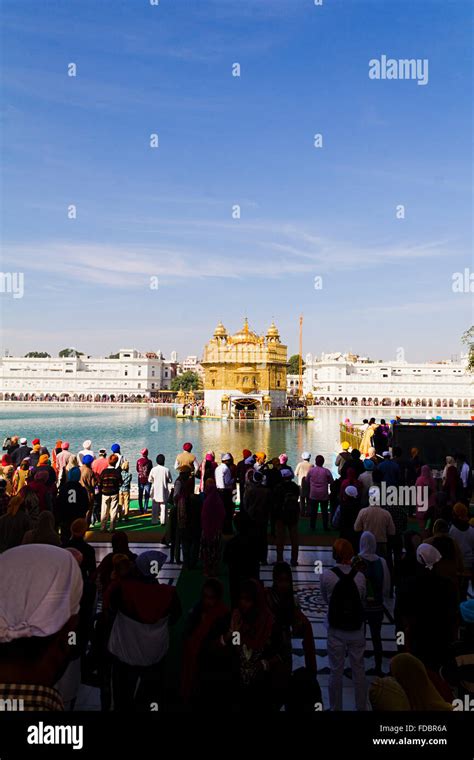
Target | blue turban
(74,475)
(115,448)
(368,464)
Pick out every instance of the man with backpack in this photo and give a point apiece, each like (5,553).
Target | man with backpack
(287,512)
(343,588)
(144,467)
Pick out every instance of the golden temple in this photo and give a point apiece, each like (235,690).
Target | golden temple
(245,373)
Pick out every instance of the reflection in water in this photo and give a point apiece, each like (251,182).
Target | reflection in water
(160,432)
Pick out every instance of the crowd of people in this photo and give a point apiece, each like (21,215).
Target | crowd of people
(236,645)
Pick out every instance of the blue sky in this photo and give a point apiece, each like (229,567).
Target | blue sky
(167,212)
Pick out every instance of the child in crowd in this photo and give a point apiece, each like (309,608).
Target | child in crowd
(124,494)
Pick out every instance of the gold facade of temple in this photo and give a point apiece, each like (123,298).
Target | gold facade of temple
(245,370)
(245,361)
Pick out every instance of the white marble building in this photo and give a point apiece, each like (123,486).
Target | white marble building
(345,379)
(132,374)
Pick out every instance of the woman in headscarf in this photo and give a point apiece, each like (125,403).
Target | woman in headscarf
(450,462)
(144,609)
(377,576)
(387,695)
(20,476)
(38,484)
(289,619)
(207,469)
(425,496)
(258,649)
(212,523)
(427,609)
(283,460)
(205,668)
(6,472)
(44,532)
(366,442)
(413,677)
(351,479)
(14,524)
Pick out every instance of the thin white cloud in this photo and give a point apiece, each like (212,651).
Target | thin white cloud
(128,266)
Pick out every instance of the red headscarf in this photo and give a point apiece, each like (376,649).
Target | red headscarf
(351,479)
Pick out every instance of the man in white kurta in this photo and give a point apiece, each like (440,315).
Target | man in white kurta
(161,480)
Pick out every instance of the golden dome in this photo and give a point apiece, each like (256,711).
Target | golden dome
(220,331)
(245,335)
(273,331)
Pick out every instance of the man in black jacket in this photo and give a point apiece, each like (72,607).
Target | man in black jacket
(287,512)
(21,452)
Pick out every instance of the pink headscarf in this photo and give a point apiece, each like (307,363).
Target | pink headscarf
(426,479)
(209,457)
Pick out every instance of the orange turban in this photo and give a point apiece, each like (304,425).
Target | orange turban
(343,549)
(460,511)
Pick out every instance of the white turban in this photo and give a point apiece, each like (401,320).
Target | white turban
(306,455)
(427,555)
(87,444)
(40,588)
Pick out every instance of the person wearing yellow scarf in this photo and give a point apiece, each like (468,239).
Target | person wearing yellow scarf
(412,676)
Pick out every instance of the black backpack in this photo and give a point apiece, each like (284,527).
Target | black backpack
(345,606)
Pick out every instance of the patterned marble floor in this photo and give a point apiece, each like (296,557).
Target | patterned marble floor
(306,584)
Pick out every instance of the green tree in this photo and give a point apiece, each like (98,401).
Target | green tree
(188,381)
(468,340)
(37,355)
(113,356)
(293,364)
(67,353)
